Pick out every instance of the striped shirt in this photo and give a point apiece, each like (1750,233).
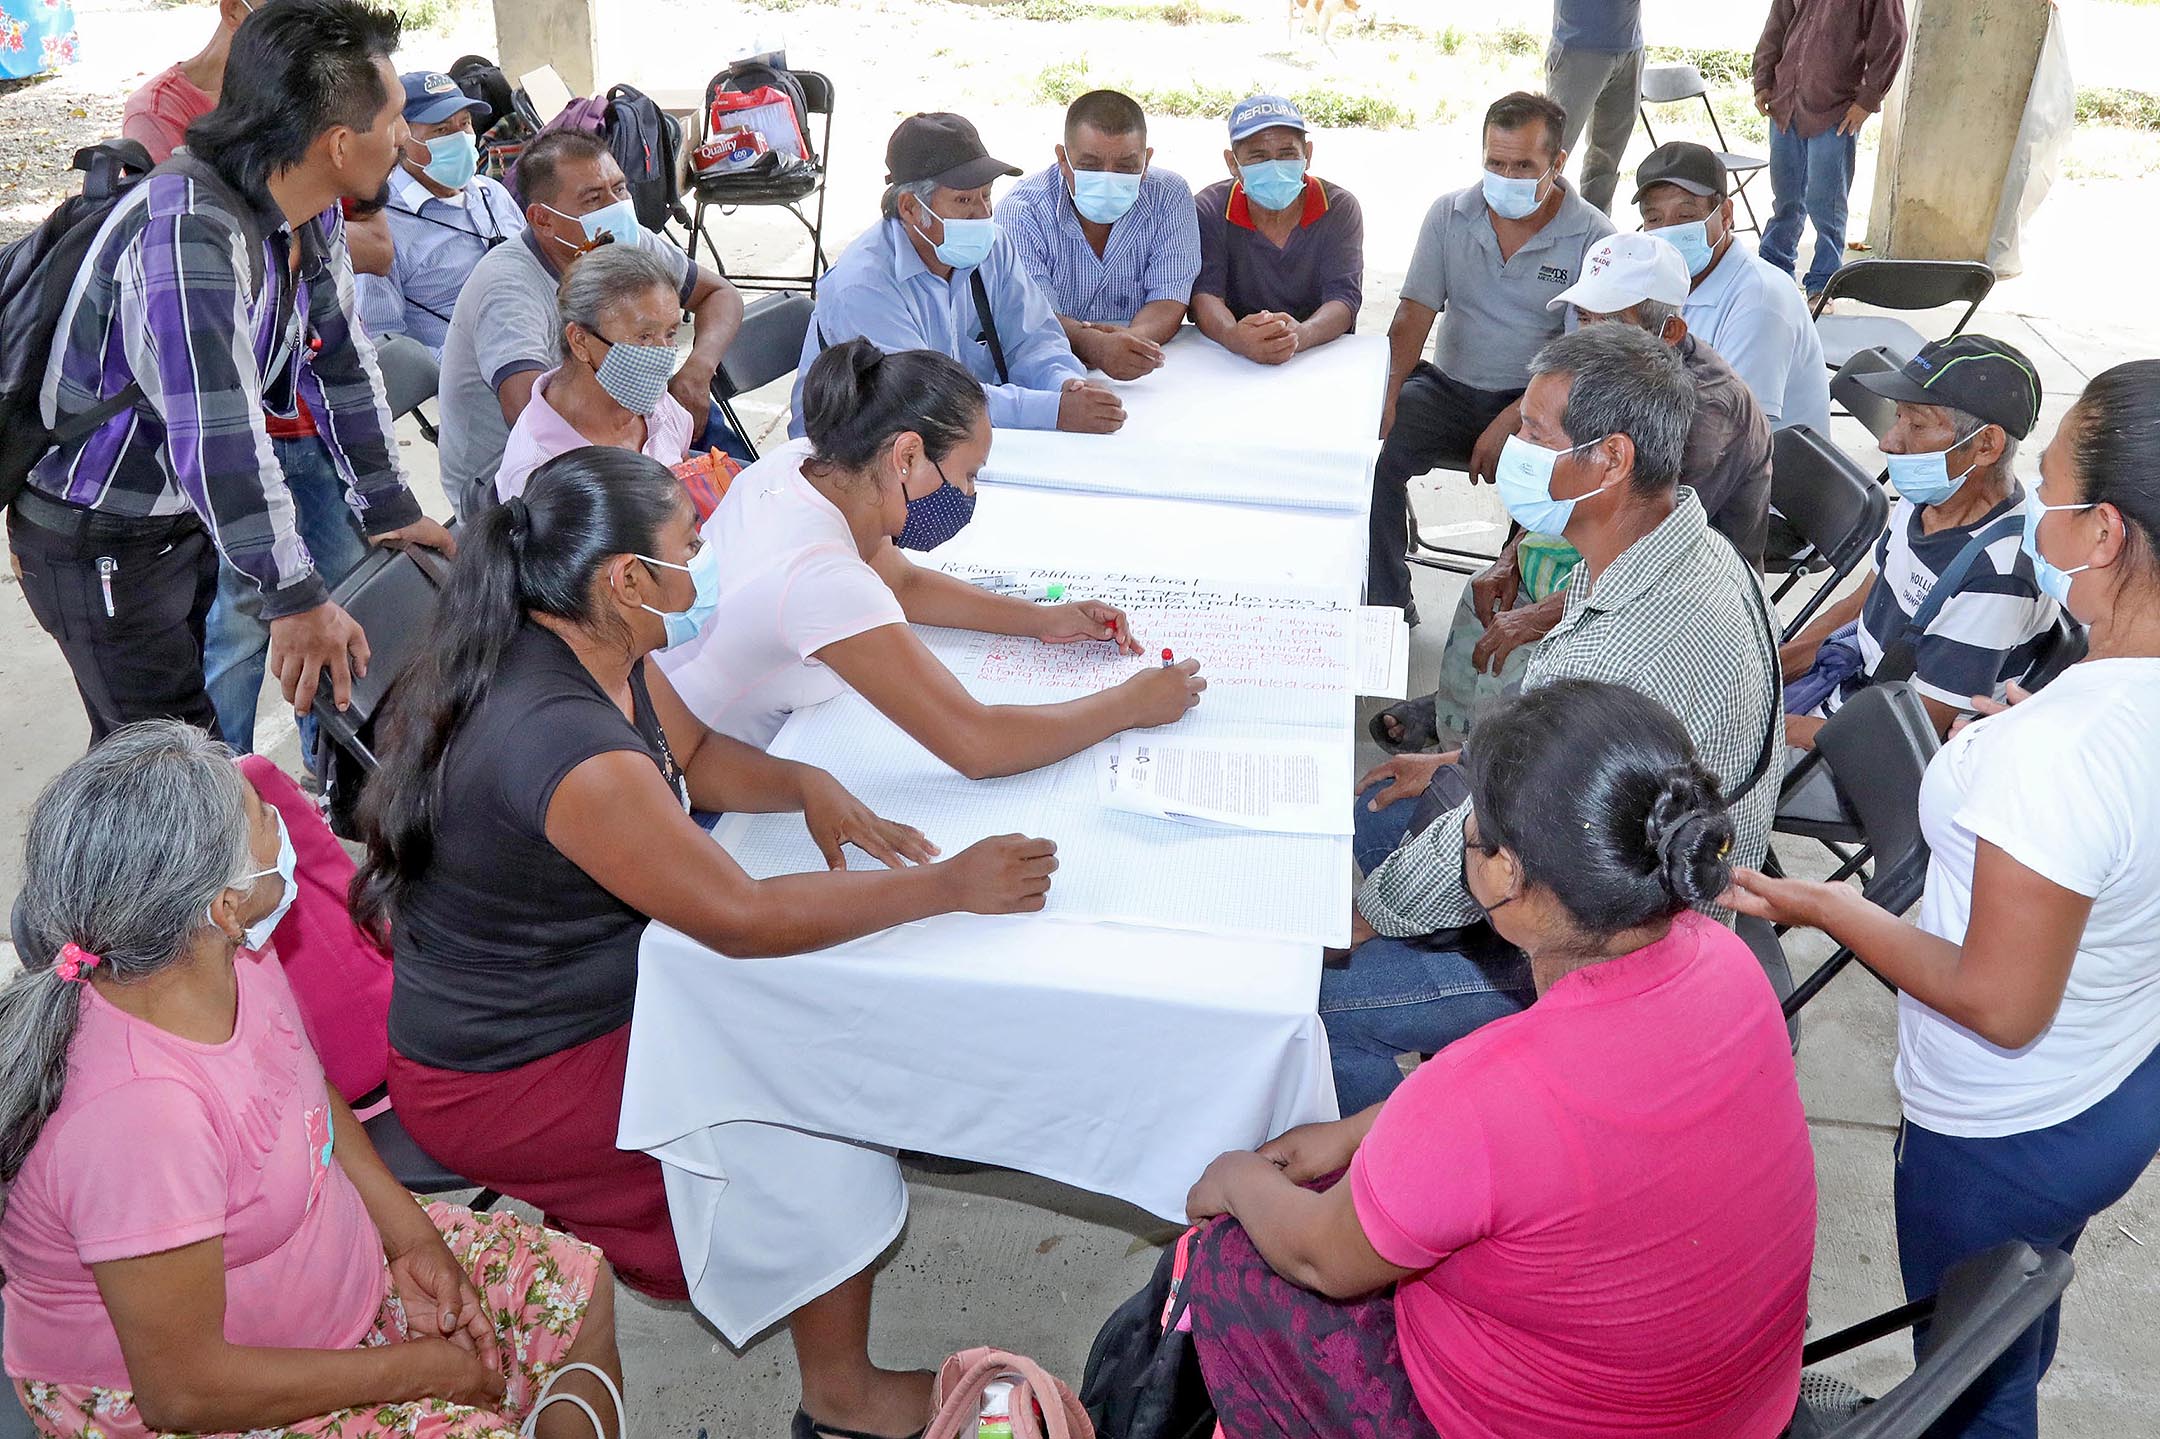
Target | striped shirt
(1153,252)
(1985,635)
(1680,617)
(165,300)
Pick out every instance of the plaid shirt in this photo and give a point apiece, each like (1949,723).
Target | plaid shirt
(164,300)
(1678,616)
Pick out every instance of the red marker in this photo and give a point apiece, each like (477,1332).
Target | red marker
(1168,659)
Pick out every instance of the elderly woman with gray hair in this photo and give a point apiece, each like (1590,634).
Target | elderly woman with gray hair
(196,1234)
(620,311)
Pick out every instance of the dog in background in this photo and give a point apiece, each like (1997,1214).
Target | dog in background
(1320,16)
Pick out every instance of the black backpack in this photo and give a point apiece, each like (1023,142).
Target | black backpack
(647,144)
(1143,1378)
(744,76)
(36,274)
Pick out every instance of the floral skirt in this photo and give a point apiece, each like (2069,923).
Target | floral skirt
(534,1283)
(1285,1363)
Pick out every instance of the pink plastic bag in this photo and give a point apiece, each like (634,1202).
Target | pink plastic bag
(339,976)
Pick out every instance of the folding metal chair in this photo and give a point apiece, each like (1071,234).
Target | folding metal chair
(768,346)
(1825,515)
(790,193)
(1861,785)
(1671,84)
(410,379)
(1875,411)
(1896,285)
(1986,1303)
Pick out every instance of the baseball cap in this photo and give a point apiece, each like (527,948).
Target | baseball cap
(941,147)
(1981,376)
(1694,168)
(432,97)
(1622,271)
(1263,112)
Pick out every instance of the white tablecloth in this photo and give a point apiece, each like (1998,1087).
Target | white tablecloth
(1120,1059)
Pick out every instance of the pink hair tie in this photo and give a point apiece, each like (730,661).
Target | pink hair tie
(75,963)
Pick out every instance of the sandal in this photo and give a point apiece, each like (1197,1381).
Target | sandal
(1419,723)
(804,1427)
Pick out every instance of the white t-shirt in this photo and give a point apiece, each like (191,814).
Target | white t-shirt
(791,583)
(2068,785)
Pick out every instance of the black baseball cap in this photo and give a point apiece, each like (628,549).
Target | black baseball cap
(941,147)
(1694,168)
(1981,376)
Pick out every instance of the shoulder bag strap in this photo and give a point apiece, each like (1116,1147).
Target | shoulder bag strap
(989,326)
(1899,655)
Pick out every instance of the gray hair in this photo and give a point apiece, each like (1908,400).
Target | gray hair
(599,281)
(127,851)
(922,190)
(1625,381)
(1964,423)
(1651,315)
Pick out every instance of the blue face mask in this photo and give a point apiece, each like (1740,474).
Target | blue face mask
(619,220)
(1274,184)
(1925,479)
(1692,240)
(1104,196)
(1513,199)
(1524,479)
(2054,580)
(452,158)
(966,244)
(704,572)
(937,516)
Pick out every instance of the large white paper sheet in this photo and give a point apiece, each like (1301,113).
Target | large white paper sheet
(1383,652)
(1111,866)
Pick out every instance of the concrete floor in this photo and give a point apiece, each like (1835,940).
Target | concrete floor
(1035,1266)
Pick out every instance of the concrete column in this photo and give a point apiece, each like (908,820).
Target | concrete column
(562,33)
(1949,125)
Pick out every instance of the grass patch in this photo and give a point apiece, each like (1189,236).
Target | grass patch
(1165,12)
(2129,109)
(1511,43)
(1718,67)
(1067,80)
(424,14)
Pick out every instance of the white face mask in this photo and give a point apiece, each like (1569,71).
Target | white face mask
(256,935)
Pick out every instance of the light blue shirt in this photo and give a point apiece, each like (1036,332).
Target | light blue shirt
(880,289)
(1611,27)
(1153,252)
(438,242)
(1751,313)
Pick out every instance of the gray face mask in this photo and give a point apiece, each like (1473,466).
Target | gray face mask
(636,376)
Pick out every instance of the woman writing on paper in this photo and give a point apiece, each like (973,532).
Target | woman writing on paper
(816,595)
(531,818)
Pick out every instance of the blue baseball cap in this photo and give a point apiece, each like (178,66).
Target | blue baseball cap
(1263,112)
(432,97)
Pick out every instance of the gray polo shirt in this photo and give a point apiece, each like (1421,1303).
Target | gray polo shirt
(1493,316)
(505,323)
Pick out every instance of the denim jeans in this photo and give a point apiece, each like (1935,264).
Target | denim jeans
(1401,996)
(1959,1197)
(1810,181)
(237,643)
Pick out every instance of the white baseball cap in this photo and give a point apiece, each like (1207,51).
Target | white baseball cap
(1622,271)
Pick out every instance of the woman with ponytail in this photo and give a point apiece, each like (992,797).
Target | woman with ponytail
(532,816)
(816,592)
(1593,1217)
(2028,1064)
(197,1236)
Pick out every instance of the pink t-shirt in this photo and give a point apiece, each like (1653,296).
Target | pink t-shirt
(160,1142)
(160,112)
(1612,1199)
(541,434)
(792,581)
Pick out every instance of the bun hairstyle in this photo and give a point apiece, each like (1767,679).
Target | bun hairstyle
(536,554)
(856,398)
(1596,789)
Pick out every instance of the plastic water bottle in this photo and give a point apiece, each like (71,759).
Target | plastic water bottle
(996,1422)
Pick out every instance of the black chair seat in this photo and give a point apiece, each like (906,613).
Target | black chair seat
(751,190)
(407,1162)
